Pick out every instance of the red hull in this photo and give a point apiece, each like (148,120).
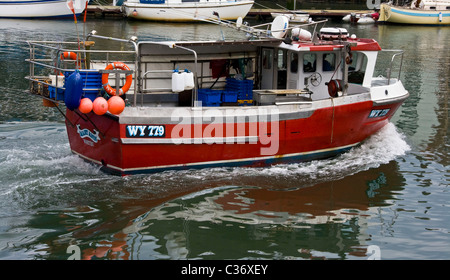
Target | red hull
(325,133)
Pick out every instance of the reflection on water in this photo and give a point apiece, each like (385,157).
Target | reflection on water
(262,223)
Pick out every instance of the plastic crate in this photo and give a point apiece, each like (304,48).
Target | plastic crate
(240,85)
(244,88)
(209,97)
(92,83)
(229,96)
(52,93)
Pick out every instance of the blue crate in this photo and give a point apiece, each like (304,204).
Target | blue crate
(52,93)
(92,83)
(229,96)
(248,95)
(92,95)
(241,85)
(244,88)
(209,96)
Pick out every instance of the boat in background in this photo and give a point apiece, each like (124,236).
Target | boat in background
(184,11)
(361,18)
(41,8)
(293,16)
(421,12)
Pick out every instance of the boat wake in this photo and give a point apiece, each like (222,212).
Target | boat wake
(381,148)
(36,156)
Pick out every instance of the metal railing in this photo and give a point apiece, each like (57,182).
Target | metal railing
(45,55)
(389,69)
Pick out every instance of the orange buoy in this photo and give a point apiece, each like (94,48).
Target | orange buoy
(100,106)
(116,105)
(85,106)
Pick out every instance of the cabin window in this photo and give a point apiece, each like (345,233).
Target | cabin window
(432,8)
(282,72)
(281,60)
(309,62)
(267,59)
(329,62)
(294,62)
(357,69)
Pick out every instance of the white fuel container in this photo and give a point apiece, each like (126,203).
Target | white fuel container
(177,81)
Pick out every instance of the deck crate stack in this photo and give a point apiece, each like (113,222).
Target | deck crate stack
(210,97)
(92,83)
(244,89)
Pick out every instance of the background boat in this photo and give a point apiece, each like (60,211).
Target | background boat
(293,16)
(178,10)
(40,8)
(361,18)
(419,12)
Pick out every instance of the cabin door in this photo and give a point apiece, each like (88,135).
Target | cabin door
(273,68)
(292,70)
(267,68)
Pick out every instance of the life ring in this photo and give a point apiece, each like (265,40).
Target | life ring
(128,80)
(334,86)
(70,55)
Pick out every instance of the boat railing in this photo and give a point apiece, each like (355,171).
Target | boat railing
(44,59)
(391,63)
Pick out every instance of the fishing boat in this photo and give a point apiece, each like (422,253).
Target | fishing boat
(41,8)
(297,16)
(421,12)
(283,94)
(185,11)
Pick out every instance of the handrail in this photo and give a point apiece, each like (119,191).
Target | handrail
(49,58)
(389,70)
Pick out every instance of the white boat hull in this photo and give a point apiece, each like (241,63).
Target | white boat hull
(39,9)
(391,14)
(293,17)
(188,11)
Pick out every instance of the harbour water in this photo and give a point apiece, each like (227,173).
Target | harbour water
(386,199)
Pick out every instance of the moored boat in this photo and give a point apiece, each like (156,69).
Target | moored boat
(364,18)
(420,12)
(195,104)
(41,9)
(184,11)
(295,17)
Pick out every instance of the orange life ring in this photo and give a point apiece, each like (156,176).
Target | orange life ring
(70,55)
(128,79)
(334,86)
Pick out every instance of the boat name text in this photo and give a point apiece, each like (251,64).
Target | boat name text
(378,113)
(86,133)
(145,131)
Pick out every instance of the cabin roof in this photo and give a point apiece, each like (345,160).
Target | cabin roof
(359,44)
(362,44)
